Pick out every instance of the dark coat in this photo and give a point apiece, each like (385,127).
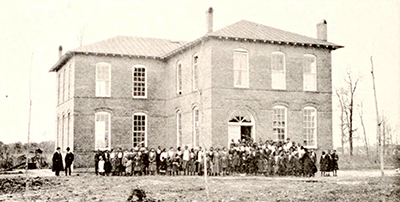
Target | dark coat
(57,162)
(69,158)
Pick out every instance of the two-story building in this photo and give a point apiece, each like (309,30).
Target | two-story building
(243,81)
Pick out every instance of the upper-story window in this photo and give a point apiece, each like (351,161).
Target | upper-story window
(195,62)
(69,80)
(310,126)
(139,129)
(278,70)
(102,130)
(59,89)
(179,78)
(240,68)
(310,72)
(65,85)
(139,80)
(279,122)
(103,80)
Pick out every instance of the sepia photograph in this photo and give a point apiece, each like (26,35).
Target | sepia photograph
(222,100)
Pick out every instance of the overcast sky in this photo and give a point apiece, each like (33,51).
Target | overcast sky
(31,31)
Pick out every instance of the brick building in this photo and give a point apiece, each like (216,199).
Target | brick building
(243,81)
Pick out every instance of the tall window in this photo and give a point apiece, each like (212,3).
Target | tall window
(196,126)
(279,122)
(69,81)
(139,81)
(103,79)
(310,126)
(59,89)
(62,86)
(68,125)
(241,68)
(310,72)
(62,132)
(179,78)
(195,72)
(178,128)
(65,85)
(58,132)
(278,70)
(139,130)
(103,130)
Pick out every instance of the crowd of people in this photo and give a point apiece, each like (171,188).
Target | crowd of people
(268,158)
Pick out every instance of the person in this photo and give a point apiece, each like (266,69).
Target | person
(101,166)
(57,162)
(152,161)
(335,159)
(185,160)
(96,161)
(69,158)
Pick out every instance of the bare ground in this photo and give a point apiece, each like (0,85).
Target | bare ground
(349,186)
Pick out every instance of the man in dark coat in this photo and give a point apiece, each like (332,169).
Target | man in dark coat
(96,161)
(57,162)
(69,158)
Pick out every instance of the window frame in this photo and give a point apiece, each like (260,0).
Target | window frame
(195,126)
(99,80)
(133,81)
(179,78)
(305,135)
(179,128)
(285,120)
(108,141)
(275,53)
(305,58)
(137,131)
(247,70)
(195,72)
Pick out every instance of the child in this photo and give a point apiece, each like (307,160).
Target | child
(101,166)
(152,161)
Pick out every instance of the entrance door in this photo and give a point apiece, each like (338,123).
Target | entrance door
(245,133)
(234,133)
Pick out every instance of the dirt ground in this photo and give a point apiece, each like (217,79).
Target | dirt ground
(349,186)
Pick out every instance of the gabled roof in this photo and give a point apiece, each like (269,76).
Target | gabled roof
(164,48)
(249,30)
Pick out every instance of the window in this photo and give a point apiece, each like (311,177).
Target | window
(59,89)
(241,68)
(58,132)
(62,132)
(139,130)
(68,125)
(196,126)
(139,82)
(103,77)
(69,80)
(62,86)
(278,70)
(178,128)
(310,126)
(195,72)
(179,78)
(103,130)
(279,122)
(65,85)
(310,72)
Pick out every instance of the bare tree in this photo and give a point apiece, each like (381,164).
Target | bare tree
(343,116)
(346,99)
(361,115)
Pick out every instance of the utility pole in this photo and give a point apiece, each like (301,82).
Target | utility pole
(29,123)
(378,123)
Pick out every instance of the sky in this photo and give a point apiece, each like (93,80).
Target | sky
(31,31)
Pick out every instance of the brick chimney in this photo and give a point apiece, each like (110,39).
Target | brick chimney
(209,19)
(59,51)
(322,30)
